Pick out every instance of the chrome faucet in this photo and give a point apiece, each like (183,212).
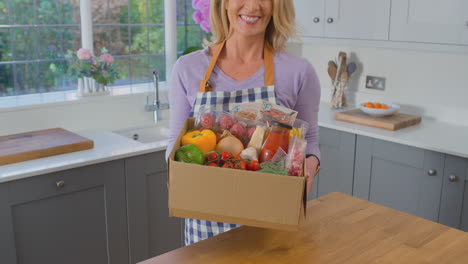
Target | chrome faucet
(156,106)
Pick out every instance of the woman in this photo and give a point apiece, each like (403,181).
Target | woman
(246,58)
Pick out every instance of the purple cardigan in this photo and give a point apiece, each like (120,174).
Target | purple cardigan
(296,86)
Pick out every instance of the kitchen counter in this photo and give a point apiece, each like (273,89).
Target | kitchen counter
(107,146)
(339,229)
(429,134)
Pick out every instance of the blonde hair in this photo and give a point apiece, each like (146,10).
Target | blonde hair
(282,25)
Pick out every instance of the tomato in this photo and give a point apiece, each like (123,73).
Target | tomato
(228,164)
(253,165)
(237,157)
(212,164)
(225,156)
(240,165)
(211,156)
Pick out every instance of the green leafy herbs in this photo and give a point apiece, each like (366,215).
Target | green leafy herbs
(277,167)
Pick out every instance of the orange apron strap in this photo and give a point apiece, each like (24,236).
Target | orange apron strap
(217,50)
(268,58)
(269,65)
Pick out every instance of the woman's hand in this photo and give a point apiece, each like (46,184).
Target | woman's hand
(311,170)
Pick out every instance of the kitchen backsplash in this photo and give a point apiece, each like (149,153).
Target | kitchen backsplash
(433,84)
(106,113)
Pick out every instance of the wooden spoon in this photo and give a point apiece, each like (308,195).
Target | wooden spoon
(342,60)
(332,69)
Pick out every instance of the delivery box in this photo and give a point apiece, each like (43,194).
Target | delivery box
(234,196)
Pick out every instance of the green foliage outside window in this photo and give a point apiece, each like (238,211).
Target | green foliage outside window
(141,43)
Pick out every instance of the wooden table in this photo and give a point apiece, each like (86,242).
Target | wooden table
(339,229)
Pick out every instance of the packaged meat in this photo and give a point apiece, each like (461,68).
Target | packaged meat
(226,121)
(273,112)
(206,119)
(239,130)
(249,112)
(296,156)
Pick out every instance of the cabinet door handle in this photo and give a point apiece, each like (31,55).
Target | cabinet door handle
(453,178)
(316,20)
(330,20)
(432,172)
(60,184)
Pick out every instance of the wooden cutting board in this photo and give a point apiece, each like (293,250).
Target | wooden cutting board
(393,122)
(39,144)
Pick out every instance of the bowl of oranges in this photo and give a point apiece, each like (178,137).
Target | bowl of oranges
(379,109)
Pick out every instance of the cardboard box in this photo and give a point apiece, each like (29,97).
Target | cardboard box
(234,196)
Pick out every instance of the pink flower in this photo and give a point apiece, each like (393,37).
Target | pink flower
(205,25)
(107,58)
(200,4)
(84,54)
(202,14)
(197,16)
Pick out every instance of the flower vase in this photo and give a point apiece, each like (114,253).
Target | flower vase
(89,87)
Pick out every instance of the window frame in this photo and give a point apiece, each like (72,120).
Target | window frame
(86,31)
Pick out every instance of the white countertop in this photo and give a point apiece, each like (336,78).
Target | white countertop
(429,134)
(107,146)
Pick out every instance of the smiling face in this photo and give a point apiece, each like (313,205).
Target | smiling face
(249,18)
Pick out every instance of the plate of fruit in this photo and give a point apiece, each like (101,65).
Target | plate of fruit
(379,109)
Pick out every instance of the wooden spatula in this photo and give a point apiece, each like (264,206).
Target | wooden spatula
(332,70)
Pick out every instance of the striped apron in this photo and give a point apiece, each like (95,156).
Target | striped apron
(196,230)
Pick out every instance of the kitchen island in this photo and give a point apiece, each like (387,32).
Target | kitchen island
(339,229)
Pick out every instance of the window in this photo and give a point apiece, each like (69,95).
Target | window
(189,34)
(33,41)
(36,34)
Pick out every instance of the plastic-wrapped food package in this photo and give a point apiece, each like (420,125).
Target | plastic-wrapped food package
(247,111)
(226,121)
(296,156)
(273,112)
(238,130)
(299,129)
(206,119)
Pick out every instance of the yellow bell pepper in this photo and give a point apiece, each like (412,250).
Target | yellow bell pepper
(205,140)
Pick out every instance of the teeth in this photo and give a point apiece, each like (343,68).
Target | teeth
(249,19)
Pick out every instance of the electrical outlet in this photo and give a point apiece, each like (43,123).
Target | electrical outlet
(373,82)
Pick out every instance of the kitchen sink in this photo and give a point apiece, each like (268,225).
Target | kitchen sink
(146,134)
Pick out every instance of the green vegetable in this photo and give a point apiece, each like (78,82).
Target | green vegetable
(278,167)
(190,154)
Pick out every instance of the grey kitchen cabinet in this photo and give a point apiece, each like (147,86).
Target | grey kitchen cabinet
(151,230)
(398,176)
(72,216)
(459,170)
(337,163)
(455,173)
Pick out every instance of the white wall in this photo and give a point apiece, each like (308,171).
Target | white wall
(105,113)
(433,84)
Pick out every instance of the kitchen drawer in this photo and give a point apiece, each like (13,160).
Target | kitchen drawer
(39,187)
(39,218)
